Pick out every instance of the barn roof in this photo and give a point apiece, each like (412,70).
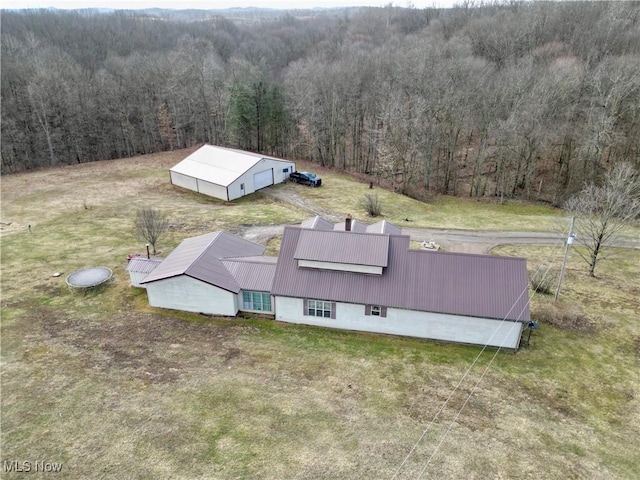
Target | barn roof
(219,165)
(202,258)
(455,283)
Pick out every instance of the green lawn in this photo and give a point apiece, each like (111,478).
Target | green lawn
(340,193)
(115,389)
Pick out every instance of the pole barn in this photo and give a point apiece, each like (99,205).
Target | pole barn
(228,174)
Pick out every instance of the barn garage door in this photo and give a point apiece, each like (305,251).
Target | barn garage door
(263,179)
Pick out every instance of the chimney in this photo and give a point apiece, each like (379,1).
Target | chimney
(148,256)
(347,223)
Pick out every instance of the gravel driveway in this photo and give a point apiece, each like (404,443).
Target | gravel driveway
(464,241)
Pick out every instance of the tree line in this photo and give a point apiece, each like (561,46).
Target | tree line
(528,99)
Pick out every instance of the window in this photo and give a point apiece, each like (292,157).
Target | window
(319,308)
(242,186)
(375,310)
(285,170)
(257,301)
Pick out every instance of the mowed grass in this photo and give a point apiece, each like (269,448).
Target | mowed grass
(115,389)
(340,193)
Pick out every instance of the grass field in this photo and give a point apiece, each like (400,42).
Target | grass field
(115,389)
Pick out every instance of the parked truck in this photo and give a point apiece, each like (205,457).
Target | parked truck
(306,178)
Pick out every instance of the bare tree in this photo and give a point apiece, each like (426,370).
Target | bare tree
(150,225)
(603,211)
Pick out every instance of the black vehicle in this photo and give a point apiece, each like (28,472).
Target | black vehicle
(306,178)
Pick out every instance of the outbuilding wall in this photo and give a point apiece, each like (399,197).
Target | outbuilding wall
(428,325)
(184,181)
(212,190)
(246,178)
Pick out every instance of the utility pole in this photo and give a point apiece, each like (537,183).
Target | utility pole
(570,239)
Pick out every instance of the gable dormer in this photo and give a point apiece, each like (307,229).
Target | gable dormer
(342,251)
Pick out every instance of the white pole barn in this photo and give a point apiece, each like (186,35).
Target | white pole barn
(228,174)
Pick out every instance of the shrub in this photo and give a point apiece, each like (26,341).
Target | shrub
(372,205)
(567,316)
(544,284)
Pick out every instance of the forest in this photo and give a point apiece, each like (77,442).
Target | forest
(505,99)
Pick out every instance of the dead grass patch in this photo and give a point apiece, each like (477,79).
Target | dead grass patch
(565,315)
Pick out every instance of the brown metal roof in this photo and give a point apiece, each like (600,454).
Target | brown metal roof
(253,273)
(200,257)
(342,247)
(461,284)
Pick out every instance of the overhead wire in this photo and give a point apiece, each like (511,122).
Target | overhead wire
(452,423)
(466,373)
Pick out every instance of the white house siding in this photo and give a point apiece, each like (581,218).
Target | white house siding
(184,181)
(191,295)
(341,267)
(435,326)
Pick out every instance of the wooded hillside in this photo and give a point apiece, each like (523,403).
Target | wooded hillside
(524,99)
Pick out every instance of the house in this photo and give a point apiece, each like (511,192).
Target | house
(217,273)
(228,174)
(372,281)
(350,276)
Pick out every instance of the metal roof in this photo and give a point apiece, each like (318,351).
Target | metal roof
(200,257)
(219,165)
(253,273)
(384,227)
(356,226)
(142,264)
(455,283)
(317,223)
(342,247)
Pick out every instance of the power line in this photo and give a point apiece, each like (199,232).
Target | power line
(440,410)
(455,388)
(446,433)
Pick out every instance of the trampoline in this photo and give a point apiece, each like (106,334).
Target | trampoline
(89,277)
